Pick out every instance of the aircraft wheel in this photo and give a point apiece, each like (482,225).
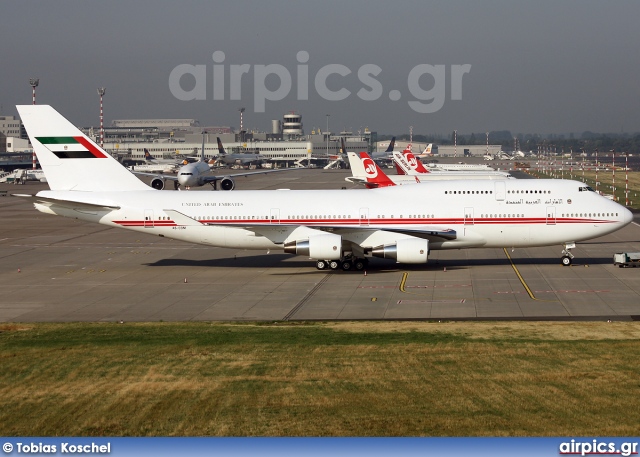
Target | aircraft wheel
(334,264)
(346,265)
(321,265)
(360,264)
(566,260)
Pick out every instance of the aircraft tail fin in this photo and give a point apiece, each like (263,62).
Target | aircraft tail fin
(147,156)
(69,159)
(366,171)
(407,162)
(392,144)
(399,169)
(221,150)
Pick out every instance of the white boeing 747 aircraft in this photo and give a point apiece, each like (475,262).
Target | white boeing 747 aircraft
(338,228)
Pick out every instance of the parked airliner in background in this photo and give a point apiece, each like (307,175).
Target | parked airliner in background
(151,159)
(386,154)
(407,164)
(428,151)
(235,158)
(458,167)
(197,174)
(363,168)
(153,164)
(338,228)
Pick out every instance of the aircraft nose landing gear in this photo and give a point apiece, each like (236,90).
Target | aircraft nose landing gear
(567,256)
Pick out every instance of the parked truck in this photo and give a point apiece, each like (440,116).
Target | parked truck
(626,259)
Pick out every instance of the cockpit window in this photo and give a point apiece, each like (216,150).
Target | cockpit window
(586,189)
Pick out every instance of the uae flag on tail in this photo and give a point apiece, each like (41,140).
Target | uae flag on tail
(71,147)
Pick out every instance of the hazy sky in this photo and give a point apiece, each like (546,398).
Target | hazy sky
(547,66)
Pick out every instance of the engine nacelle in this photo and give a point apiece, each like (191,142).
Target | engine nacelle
(157,183)
(326,247)
(406,250)
(227,184)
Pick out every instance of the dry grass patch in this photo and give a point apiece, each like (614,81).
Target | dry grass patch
(324,379)
(488,330)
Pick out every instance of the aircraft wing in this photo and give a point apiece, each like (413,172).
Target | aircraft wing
(214,178)
(431,233)
(156,175)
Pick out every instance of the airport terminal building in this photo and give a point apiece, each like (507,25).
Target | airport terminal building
(166,138)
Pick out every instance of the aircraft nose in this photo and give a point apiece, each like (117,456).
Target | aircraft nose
(628,216)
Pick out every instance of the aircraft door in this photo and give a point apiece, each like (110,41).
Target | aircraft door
(468,216)
(551,215)
(148,218)
(364,216)
(274,217)
(500,190)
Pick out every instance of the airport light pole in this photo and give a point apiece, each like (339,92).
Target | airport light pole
(596,169)
(411,138)
(33,82)
(626,178)
(613,173)
(101,92)
(571,164)
(242,110)
(327,137)
(455,143)
(487,143)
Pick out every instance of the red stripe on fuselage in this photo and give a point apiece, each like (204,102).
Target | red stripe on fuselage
(372,221)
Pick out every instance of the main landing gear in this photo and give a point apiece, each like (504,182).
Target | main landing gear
(346,264)
(567,256)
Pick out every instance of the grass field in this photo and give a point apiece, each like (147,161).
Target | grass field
(320,379)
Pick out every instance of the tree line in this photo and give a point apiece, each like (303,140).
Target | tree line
(587,141)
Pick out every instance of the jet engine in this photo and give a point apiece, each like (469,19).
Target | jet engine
(157,183)
(326,247)
(407,250)
(227,184)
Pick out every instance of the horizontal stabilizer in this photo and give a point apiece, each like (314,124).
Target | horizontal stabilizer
(71,204)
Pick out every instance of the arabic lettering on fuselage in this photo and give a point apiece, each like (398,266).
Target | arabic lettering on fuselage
(537,201)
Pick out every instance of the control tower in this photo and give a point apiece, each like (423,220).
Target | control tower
(292,124)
